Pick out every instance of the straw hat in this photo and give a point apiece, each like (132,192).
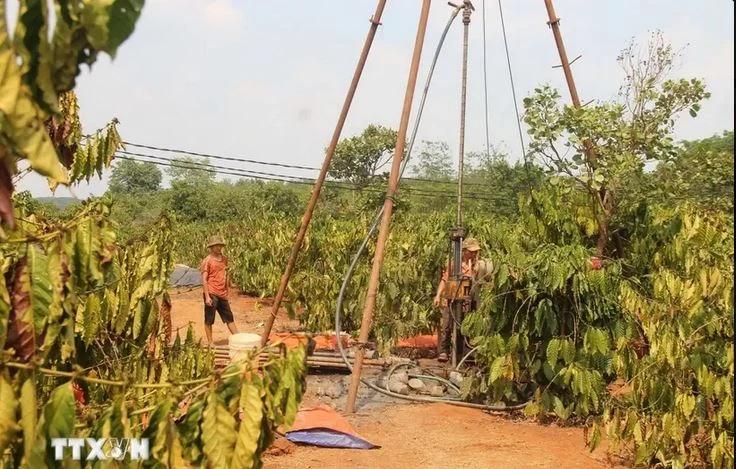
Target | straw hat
(471,244)
(215,241)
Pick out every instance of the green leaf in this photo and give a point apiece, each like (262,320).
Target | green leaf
(497,368)
(246,446)
(553,350)
(686,403)
(32,46)
(559,408)
(40,288)
(57,421)
(8,417)
(23,122)
(218,432)
(4,300)
(568,351)
(109,24)
(502,276)
(28,409)
(157,431)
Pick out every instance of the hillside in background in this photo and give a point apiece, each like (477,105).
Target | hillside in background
(58,202)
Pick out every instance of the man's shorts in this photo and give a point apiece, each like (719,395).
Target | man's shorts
(222,306)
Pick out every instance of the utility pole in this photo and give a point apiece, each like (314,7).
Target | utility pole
(554,23)
(307,218)
(388,204)
(588,148)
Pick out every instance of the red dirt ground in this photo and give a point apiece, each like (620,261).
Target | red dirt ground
(444,436)
(410,436)
(250,314)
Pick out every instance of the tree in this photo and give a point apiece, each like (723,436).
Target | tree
(132,177)
(434,161)
(701,172)
(503,183)
(190,171)
(601,148)
(359,158)
(482,160)
(39,67)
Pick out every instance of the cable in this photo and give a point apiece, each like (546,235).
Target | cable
(275,176)
(218,157)
(197,165)
(511,79)
(268,163)
(303,181)
(516,105)
(371,231)
(485,81)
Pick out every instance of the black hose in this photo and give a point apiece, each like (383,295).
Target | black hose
(372,230)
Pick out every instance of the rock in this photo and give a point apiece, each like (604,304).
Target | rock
(369,354)
(456,378)
(401,377)
(333,389)
(382,382)
(398,387)
(416,384)
(280,446)
(436,390)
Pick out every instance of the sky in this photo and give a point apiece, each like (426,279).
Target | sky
(266,80)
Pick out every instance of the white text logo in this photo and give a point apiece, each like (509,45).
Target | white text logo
(102,448)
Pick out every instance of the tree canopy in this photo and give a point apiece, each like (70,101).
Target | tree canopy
(359,158)
(132,177)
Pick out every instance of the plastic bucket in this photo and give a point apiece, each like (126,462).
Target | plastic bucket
(241,344)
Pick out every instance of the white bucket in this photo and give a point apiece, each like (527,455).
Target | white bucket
(241,344)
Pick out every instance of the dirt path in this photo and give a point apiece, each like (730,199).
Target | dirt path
(250,314)
(444,436)
(410,436)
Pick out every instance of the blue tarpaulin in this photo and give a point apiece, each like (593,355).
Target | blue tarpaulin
(328,439)
(323,426)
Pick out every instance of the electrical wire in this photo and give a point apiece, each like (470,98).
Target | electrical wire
(511,79)
(524,155)
(269,163)
(485,81)
(239,173)
(260,175)
(371,231)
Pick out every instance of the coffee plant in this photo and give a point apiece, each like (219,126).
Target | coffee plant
(678,405)
(87,353)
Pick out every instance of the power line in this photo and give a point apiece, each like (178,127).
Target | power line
(219,157)
(485,81)
(301,181)
(511,79)
(268,163)
(197,165)
(251,173)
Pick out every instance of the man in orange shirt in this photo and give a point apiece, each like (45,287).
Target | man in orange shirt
(215,283)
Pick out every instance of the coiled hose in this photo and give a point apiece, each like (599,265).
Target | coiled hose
(361,249)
